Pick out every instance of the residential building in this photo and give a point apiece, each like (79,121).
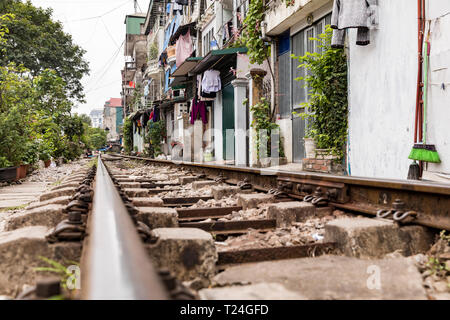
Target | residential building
(96,116)
(113,119)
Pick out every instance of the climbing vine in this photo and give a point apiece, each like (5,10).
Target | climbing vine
(251,36)
(327,106)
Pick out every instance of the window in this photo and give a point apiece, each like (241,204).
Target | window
(301,44)
(207,38)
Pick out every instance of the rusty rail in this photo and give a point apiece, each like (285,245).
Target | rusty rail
(115,264)
(429,202)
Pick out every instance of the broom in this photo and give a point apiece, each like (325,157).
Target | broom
(423,151)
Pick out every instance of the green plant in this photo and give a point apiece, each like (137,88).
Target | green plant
(31,154)
(263,125)
(153,52)
(327,107)
(4,163)
(128,135)
(251,37)
(156,133)
(58,269)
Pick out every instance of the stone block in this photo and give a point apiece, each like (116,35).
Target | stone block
(202,184)
(49,216)
(64,200)
(158,217)
(189,253)
(334,277)
(374,238)
(252,200)
(57,193)
(258,291)
(20,252)
(220,192)
(130,185)
(136,192)
(287,212)
(187,179)
(148,202)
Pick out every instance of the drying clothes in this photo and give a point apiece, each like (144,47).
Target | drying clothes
(360,14)
(198,107)
(211,81)
(151,115)
(177,7)
(155,114)
(182,2)
(183,48)
(362,38)
(354,14)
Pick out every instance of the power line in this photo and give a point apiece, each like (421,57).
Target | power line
(108,61)
(109,33)
(102,15)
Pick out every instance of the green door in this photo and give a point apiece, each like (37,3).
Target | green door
(228,122)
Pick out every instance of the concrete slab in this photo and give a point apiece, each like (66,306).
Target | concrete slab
(57,193)
(259,291)
(250,201)
(374,238)
(186,179)
(148,202)
(285,213)
(49,216)
(334,277)
(189,253)
(64,200)
(136,192)
(197,185)
(220,192)
(20,252)
(158,217)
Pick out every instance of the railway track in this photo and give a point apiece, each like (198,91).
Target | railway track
(121,221)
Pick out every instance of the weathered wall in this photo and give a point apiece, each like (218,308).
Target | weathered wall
(382,92)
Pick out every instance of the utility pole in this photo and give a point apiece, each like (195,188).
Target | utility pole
(135,6)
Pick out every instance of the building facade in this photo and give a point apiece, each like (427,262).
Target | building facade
(175,46)
(96,116)
(113,119)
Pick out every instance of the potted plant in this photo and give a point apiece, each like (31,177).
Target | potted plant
(29,158)
(44,155)
(7,172)
(310,145)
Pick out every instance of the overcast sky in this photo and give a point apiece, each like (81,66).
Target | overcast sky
(98,27)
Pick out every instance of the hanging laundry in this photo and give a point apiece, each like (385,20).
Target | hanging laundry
(151,115)
(196,108)
(211,81)
(177,8)
(359,14)
(183,48)
(182,2)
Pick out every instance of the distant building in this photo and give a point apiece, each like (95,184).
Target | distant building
(96,116)
(113,118)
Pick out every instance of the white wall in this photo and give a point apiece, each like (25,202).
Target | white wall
(382,93)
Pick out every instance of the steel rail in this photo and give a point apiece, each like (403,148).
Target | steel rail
(429,201)
(115,264)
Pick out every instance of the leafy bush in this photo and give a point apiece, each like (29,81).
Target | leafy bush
(156,133)
(4,163)
(327,108)
(128,135)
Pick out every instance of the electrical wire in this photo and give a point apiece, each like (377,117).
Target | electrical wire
(102,15)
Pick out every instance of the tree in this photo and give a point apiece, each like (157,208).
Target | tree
(39,43)
(86,119)
(96,138)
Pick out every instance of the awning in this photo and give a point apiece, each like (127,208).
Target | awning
(212,57)
(182,30)
(179,81)
(186,66)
